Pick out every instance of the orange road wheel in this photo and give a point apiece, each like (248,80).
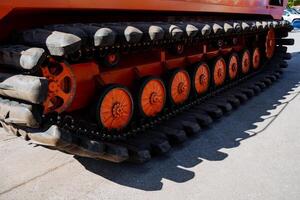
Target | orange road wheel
(115,107)
(61,86)
(270,44)
(179,86)
(246,62)
(233,66)
(219,71)
(152,96)
(256,58)
(201,78)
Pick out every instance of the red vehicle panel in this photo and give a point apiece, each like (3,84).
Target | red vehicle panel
(222,6)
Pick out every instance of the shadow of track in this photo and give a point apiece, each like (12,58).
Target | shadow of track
(207,145)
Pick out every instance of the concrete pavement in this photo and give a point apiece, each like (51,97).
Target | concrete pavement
(254,153)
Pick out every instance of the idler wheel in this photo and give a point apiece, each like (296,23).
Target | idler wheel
(179,86)
(152,96)
(256,58)
(219,71)
(233,66)
(61,86)
(115,107)
(270,44)
(246,62)
(201,78)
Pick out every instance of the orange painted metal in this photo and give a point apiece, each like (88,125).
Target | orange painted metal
(180,86)
(223,6)
(246,61)
(20,14)
(91,76)
(116,108)
(202,78)
(61,86)
(256,57)
(219,72)
(86,76)
(270,43)
(153,97)
(233,66)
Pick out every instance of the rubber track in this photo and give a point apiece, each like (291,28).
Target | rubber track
(171,128)
(142,147)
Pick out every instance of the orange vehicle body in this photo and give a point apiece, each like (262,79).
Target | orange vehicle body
(19,14)
(223,6)
(12,10)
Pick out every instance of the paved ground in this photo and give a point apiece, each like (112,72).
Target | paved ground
(252,154)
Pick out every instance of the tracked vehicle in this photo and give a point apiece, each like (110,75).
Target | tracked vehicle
(122,80)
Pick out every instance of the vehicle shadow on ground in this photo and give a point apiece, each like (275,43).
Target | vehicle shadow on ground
(207,145)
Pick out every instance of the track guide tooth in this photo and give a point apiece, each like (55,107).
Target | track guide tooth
(277,74)
(287,56)
(264,25)
(272,77)
(245,27)
(255,88)
(19,113)
(217,29)
(22,57)
(75,30)
(206,30)
(58,43)
(237,27)
(175,32)
(223,104)
(157,144)
(253,26)
(259,25)
(285,41)
(138,156)
(249,92)
(201,117)
(32,89)
(241,96)
(174,135)
(137,152)
(172,31)
(270,24)
(283,64)
(235,102)
(279,71)
(97,36)
(261,84)
(133,34)
(228,28)
(188,126)
(191,30)
(267,81)
(213,110)
(103,35)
